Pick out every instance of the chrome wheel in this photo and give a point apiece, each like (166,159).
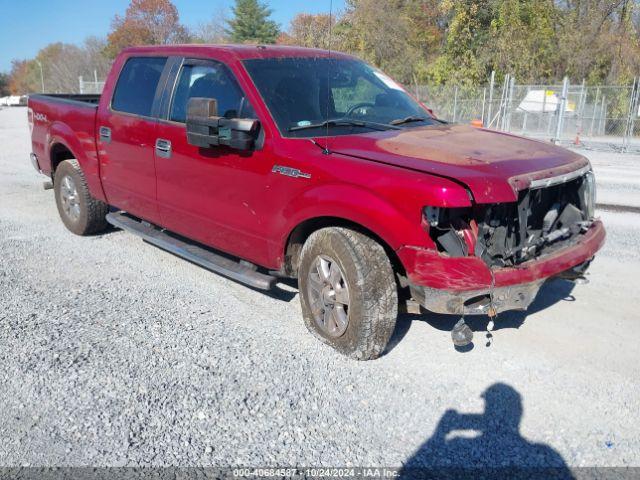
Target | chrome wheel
(69,198)
(328,296)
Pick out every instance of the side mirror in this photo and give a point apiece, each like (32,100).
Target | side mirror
(206,129)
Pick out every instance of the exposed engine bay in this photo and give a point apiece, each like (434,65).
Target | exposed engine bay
(547,216)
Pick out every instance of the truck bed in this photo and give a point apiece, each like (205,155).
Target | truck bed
(88,100)
(63,126)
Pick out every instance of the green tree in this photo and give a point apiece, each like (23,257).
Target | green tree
(251,24)
(369,30)
(523,40)
(4,84)
(468,32)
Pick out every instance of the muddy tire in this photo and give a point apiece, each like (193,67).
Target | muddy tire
(80,212)
(348,292)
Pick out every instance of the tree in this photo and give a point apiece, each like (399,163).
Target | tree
(213,31)
(308,30)
(146,22)
(379,32)
(598,40)
(468,31)
(4,85)
(61,65)
(95,60)
(251,24)
(523,40)
(24,77)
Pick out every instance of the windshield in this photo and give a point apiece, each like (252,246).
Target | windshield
(308,96)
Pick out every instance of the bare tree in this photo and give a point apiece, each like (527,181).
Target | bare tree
(213,31)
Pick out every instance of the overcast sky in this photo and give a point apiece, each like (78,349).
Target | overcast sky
(28,25)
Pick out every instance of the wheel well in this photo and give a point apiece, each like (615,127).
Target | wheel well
(59,153)
(300,234)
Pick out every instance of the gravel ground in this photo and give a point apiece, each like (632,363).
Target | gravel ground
(116,353)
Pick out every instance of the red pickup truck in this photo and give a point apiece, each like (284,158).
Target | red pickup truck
(260,162)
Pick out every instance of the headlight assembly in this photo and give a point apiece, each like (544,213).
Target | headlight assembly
(589,194)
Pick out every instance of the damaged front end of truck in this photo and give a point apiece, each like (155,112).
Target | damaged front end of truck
(549,216)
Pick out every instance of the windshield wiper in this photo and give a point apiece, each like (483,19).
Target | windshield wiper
(338,122)
(413,118)
(409,119)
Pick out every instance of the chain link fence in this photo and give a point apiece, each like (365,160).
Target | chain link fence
(93,86)
(601,117)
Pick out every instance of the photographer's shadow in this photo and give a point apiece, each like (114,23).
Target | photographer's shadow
(497,450)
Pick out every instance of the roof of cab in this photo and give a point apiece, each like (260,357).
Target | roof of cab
(242,52)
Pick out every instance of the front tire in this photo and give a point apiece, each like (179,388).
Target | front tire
(79,211)
(348,292)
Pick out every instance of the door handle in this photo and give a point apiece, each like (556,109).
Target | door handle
(163,148)
(105,134)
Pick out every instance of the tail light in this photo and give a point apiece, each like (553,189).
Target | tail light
(30,119)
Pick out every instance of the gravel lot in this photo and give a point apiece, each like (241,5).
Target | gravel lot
(116,353)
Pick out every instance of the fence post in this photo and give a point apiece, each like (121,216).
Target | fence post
(503,103)
(499,113)
(561,109)
(603,116)
(512,82)
(524,117)
(81,84)
(544,107)
(490,106)
(580,120)
(455,102)
(630,113)
(635,111)
(582,96)
(484,99)
(595,107)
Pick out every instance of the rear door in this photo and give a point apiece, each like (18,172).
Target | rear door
(213,195)
(126,129)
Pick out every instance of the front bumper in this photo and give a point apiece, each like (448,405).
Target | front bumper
(462,285)
(477,302)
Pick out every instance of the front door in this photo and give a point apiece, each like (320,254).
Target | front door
(126,132)
(213,195)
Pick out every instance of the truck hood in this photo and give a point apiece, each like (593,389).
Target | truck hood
(494,166)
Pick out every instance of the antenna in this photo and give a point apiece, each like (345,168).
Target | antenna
(326,144)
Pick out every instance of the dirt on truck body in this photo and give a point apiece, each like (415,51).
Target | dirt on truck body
(263,162)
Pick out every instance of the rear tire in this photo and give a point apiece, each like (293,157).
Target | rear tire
(80,212)
(348,292)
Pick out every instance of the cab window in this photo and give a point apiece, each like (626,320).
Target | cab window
(209,81)
(136,87)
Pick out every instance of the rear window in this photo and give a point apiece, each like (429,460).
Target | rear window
(136,87)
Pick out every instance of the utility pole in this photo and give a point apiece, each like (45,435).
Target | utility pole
(41,75)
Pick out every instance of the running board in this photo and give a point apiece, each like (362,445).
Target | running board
(194,253)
